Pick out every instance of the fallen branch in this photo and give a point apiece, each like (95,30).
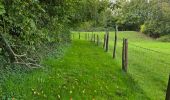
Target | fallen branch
(15,58)
(20,55)
(28,64)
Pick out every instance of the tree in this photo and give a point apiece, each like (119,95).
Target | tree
(158,22)
(151,17)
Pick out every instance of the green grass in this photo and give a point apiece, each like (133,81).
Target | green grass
(149,69)
(85,72)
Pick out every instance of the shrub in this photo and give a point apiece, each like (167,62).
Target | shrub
(165,38)
(142,28)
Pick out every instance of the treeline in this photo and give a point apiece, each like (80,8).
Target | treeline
(148,16)
(31,28)
(27,26)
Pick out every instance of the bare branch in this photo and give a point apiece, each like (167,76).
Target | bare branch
(28,64)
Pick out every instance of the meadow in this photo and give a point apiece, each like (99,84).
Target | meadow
(148,64)
(45,55)
(83,71)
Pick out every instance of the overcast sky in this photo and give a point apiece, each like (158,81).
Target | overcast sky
(112,0)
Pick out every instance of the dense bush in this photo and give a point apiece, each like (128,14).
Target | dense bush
(150,17)
(29,25)
(165,38)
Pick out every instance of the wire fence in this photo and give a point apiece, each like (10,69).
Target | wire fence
(148,67)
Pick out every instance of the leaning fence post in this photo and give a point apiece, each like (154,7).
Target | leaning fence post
(168,90)
(125,55)
(107,41)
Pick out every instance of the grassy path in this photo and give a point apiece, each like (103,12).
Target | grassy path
(84,73)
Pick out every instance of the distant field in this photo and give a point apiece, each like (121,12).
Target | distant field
(137,38)
(149,64)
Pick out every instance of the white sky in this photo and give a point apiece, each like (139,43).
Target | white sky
(112,0)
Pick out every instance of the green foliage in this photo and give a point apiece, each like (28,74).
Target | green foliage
(165,38)
(127,15)
(154,15)
(91,12)
(132,14)
(158,23)
(2,10)
(86,26)
(28,24)
(142,28)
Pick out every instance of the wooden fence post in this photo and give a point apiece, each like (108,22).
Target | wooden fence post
(115,43)
(104,42)
(168,90)
(97,40)
(107,41)
(125,55)
(94,38)
(73,36)
(91,39)
(79,35)
(86,36)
